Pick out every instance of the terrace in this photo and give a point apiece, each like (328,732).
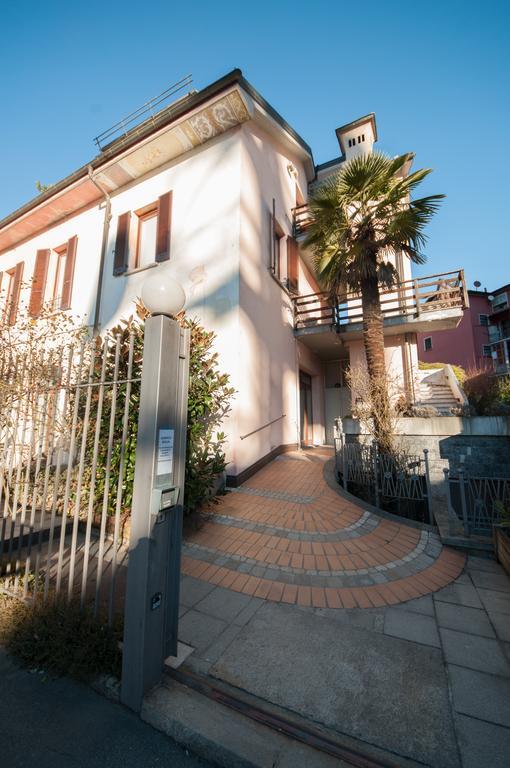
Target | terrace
(433,302)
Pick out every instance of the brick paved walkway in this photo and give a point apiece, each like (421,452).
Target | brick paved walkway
(287,536)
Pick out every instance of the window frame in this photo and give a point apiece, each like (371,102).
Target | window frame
(60,268)
(425,348)
(483,324)
(149,211)
(489,347)
(11,275)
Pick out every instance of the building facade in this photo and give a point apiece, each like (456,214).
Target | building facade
(212,191)
(466,345)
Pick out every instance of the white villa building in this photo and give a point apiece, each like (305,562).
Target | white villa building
(212,191)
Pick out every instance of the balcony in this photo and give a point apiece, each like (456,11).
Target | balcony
(435,302)
(301,219)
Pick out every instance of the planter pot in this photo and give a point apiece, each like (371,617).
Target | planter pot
(502,546)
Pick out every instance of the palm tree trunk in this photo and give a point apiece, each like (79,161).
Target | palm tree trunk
(373,339)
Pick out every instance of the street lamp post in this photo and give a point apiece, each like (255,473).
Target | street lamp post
(152,589)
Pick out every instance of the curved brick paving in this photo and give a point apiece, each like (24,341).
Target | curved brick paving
(287,536)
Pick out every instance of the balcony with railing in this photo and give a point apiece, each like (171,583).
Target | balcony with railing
(427,303)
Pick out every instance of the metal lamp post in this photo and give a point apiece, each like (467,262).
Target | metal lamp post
(152,589)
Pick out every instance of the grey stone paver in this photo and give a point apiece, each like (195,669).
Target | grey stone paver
(384,690)
(460,594)
(411,626)
(483,745)
(485,580)
(477,694)
(223,604)
(422,605)
(199,629)
(193,590)
(482,564)
(495,601)
(501,623)
(473,651)
(472,620)
(248,611)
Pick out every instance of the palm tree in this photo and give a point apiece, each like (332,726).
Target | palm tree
(360,218)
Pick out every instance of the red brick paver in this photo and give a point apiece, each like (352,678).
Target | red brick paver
(287,536)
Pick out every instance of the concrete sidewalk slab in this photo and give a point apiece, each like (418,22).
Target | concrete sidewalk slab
(386,691)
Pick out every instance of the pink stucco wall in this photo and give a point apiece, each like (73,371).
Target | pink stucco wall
(462,345)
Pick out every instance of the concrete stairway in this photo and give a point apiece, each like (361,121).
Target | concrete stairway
(433,388)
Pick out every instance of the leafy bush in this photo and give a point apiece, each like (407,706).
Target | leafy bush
(481,389)
(208,404)
(504,390)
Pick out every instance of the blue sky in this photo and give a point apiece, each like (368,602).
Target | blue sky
(435,74)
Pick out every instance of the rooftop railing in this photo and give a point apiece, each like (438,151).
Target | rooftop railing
(421,296)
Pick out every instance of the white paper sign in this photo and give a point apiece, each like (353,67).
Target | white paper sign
(165,459)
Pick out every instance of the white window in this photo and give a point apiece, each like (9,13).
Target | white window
(483,319)
(9,293)
(59,256)
(147,234)
(427,343)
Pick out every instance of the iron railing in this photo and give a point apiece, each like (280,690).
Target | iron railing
(421,296)
(385,477)
(67,421)
(478,503)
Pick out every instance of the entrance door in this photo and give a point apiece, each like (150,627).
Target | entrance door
(305,404)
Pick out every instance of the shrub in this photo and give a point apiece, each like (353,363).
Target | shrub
(481,388)
(504,390)
(209,399)
(460,373)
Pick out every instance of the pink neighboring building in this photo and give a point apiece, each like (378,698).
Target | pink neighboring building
(467,344)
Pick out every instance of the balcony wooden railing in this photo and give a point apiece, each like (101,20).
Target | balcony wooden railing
(301,219)
(417,297)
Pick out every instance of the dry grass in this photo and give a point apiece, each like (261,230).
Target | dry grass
(59,638)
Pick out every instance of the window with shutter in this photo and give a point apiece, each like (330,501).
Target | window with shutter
(38,288)
(67,263)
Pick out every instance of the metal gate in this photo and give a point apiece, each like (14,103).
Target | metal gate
(70,456)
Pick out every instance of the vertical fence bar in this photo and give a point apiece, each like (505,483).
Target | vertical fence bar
(428,486)
(93,472)
(106,490)
(70,464)
(465,517)
(344,465)
(63,388)
(79,481)
(120,481)
(375,470)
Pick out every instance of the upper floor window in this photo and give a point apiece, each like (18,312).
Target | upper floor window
(484,319)
(147,226)
(52,282)
(143,239)
(486,350)
(427,343)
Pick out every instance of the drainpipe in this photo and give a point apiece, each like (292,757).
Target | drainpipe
(104,245)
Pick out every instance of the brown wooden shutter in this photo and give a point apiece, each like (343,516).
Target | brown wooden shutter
(16,288)
(292,264)
(164,226)
(67,286)
(120,261)
(39,282)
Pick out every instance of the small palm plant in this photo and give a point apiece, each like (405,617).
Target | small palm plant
(361,217)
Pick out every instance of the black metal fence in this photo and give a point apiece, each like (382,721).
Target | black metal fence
(477,502)
(398,482)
